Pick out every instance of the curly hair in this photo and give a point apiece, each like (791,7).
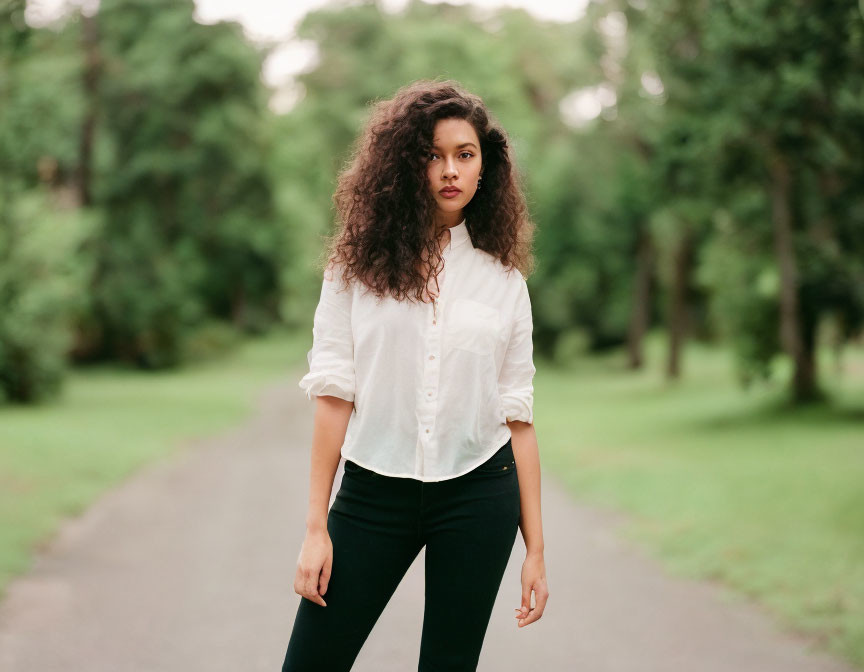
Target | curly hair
(386,211)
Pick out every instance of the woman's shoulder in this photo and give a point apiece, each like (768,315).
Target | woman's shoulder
(509,275)
(495,264)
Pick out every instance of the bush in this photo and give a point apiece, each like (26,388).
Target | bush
(210,341)
(42,280)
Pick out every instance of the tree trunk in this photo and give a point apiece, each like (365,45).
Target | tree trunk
(677,317)
(239,307)
(92,65)
(791,326)
(640,304)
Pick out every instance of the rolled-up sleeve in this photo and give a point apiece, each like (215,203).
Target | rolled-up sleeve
(516,379)
(331,359)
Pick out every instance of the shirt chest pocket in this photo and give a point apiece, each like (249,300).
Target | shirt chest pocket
(473,326)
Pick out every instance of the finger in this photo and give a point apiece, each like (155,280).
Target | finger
(526,601)
(526,610)
(542,596)
(529,619)
(537,612)
(317,599)
(312,590)
(309,583)
(313,596)
(324,580)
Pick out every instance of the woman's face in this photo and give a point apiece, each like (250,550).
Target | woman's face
(454,165)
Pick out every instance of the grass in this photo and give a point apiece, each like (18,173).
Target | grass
(56,459)
(721,484)
(724,484)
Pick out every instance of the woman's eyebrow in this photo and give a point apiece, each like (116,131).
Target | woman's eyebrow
(464,144)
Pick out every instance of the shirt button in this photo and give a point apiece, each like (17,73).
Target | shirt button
(427,431)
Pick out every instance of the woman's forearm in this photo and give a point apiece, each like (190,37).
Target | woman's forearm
(331,423)
(527,455)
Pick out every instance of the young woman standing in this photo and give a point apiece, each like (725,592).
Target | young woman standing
(422,370)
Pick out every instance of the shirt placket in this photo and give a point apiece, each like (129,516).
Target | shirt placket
(431,374)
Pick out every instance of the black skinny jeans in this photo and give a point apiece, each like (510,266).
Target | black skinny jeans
(378,524)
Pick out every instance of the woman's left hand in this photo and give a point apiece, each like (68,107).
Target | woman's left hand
(533,579)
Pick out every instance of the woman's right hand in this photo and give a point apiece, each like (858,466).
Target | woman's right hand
(314,566)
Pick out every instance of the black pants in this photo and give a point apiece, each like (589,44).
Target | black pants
(378,524)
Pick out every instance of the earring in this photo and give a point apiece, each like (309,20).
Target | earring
(479,180)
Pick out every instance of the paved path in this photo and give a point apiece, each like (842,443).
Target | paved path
(189,565)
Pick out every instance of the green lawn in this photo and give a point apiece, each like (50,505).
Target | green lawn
(56,459)
(724,484)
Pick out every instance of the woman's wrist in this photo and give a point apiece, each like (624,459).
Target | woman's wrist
(316,525)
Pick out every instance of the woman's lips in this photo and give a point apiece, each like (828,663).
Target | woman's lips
(450,192)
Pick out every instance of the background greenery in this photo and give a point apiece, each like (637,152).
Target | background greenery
(699,293)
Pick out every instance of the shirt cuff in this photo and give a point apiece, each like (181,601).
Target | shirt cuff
(327,384)
(518,407)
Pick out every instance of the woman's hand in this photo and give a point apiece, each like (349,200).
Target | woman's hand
(533,578)
(314,566)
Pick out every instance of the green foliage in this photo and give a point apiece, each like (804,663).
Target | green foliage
(211,209)
(144,298)
(190,232)
(733,80)
(210,341)
(42,278)
(743,285)
(754,86)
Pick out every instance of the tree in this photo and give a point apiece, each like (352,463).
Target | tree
(773,95)
(190,232)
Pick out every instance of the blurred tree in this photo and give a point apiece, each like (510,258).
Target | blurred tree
(714,189)
(41,275)
(627,128)
(189,227)
(770,96)
(90,81)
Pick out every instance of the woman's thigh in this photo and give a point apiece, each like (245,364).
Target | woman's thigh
(374,543)
(469,534)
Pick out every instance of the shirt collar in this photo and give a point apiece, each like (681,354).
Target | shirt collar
(458,235)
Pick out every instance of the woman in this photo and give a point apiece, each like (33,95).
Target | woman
(421,367)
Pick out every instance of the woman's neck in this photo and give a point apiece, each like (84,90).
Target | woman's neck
(446,220)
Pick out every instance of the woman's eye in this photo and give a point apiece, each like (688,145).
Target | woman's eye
(433,155)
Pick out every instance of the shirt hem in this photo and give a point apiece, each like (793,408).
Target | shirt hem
(497,446)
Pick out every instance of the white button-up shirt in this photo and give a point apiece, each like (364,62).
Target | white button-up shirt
(433,384)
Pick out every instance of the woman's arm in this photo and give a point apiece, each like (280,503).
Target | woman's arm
(516,389)
(315,562)
(527,455)
(331,423)
(331,382)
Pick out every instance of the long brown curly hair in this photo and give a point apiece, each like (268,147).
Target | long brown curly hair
(386,211)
